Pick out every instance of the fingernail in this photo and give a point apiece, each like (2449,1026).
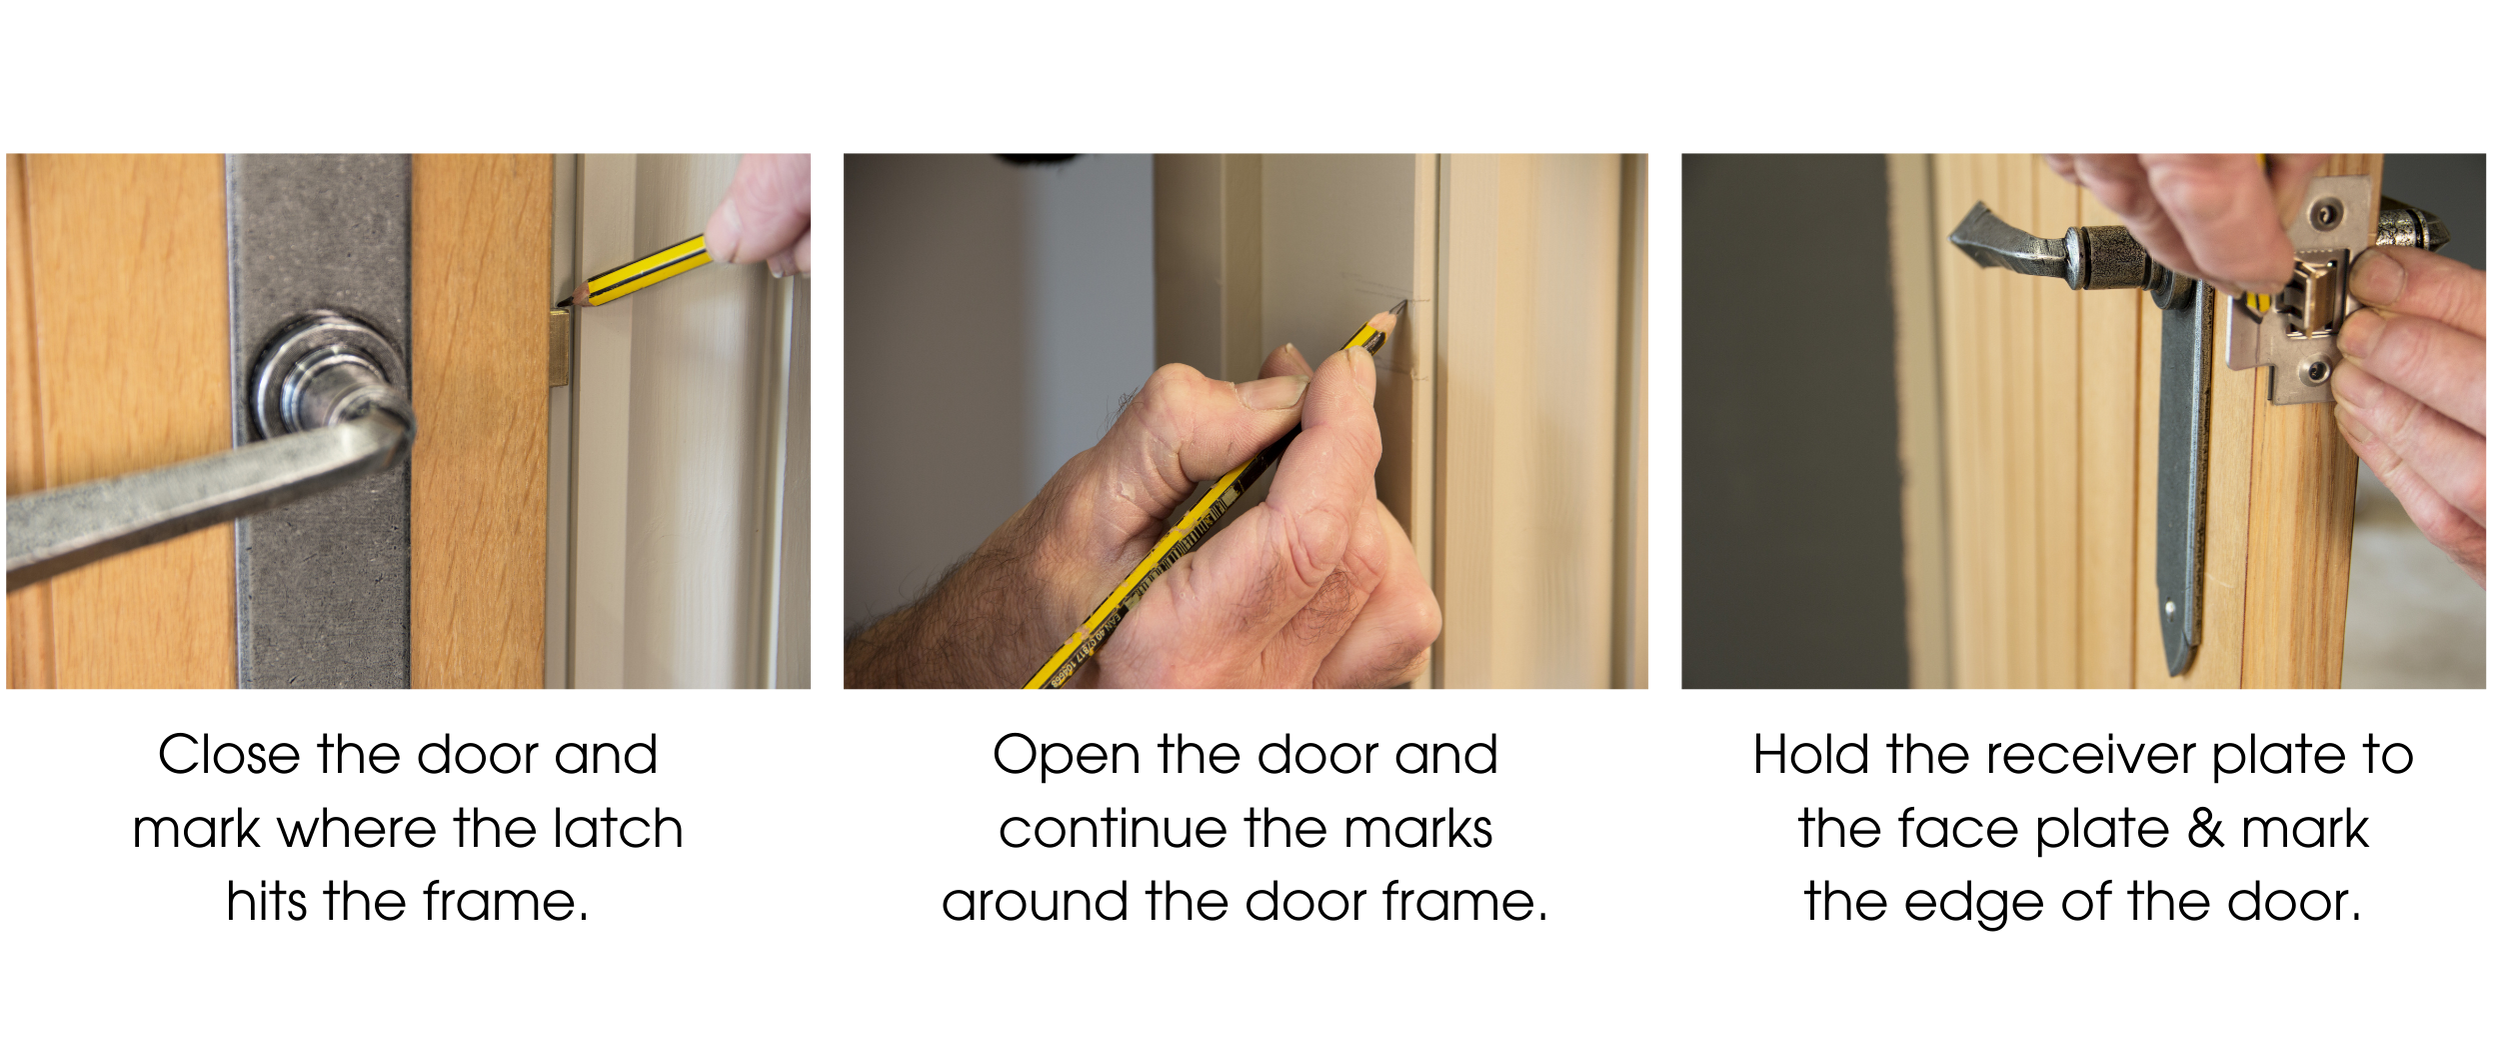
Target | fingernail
(2361,333)
(2354,386)
(774,266)
(1297,355)
(1273,393)
(722,233)
(2378,279)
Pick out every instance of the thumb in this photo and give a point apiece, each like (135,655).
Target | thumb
(764,213)
(1184,428)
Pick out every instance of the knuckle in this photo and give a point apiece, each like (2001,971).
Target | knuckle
(2192,187)
(2452,532)
(1159,404)
(1317,543)
(1160,418)
(1409,648)
(1169,378)
(1408,621)
(1330,611)
(2191,196)
(1420,622)
(1427,612)
(2403,423)
(1367,549)
(1261,599)
(2399,353)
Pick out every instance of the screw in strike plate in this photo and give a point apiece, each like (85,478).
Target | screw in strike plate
(2316,372)
(2327,214)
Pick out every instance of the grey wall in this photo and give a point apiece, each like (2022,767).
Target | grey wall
(994,317)
(1792,501)
(2451,186)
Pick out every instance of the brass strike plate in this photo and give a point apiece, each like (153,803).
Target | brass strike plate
(559,347)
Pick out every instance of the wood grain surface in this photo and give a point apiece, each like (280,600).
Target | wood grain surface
(2020,465)
(2227,564)
(1958,377)
(2111,366)
(479,247)
(1918,387)
(117,363)
(1469,358)
(93,235)
(1528,414)
(1994,523)
(2052,444)
(2300,523)
(30,610)
(2059,388)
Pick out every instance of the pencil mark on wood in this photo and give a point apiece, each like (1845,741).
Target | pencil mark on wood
(1356,281)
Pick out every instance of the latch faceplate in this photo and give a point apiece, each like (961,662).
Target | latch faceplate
(2294,332)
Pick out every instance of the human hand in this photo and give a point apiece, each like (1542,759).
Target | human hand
(764,217)
(2409,394)
(2218,218)
(1315,586)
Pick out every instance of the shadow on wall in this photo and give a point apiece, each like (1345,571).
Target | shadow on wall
(993,316)
(1792,501)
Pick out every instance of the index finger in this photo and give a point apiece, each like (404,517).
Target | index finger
(2224,208)
(1326,475)
(2121,183)
(1286,359)
(2412,281)
(765,211)
(2061,164)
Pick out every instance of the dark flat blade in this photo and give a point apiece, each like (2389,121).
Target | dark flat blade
(2179,544)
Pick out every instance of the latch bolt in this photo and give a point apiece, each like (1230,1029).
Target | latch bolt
(2316,293)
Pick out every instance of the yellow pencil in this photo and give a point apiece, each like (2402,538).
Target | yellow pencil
(1185,535)
(641,273)
(2256,303)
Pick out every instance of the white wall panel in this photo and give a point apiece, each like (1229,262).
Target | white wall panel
(1529,365)
(691,474)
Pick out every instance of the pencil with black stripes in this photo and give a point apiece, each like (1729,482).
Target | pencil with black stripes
(1185,535)
(641,273)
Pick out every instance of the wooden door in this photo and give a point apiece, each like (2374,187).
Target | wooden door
(2030,442)
(117,296)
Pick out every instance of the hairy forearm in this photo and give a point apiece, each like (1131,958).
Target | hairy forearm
(981,628)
